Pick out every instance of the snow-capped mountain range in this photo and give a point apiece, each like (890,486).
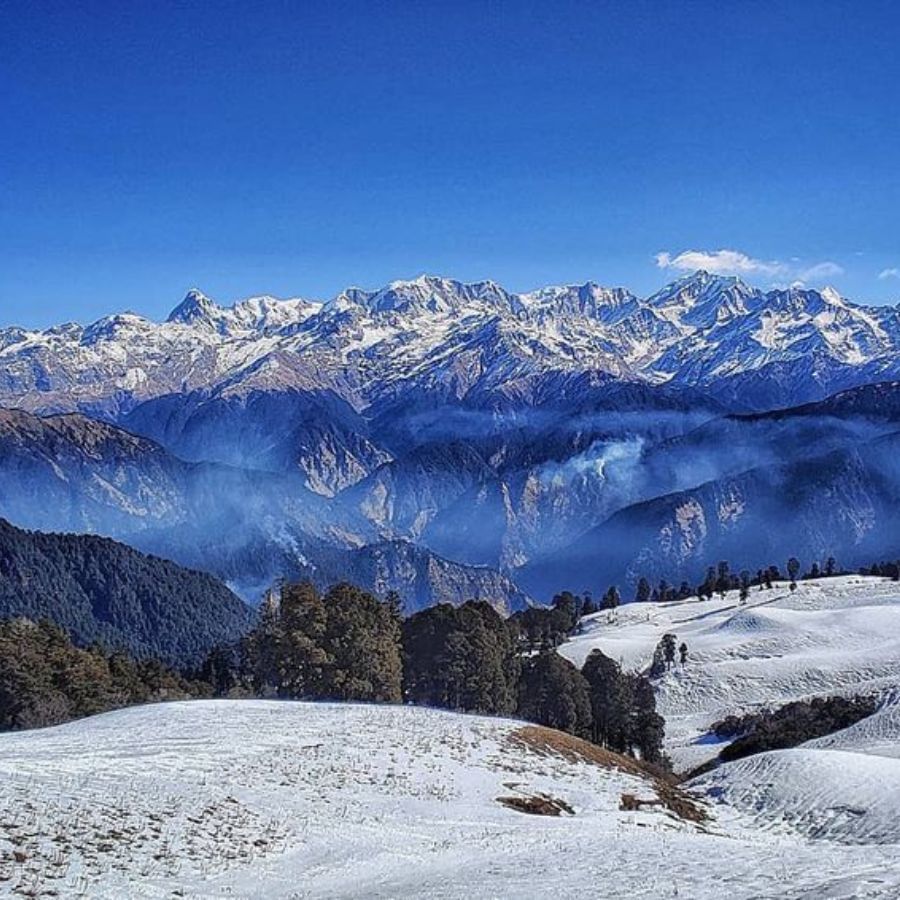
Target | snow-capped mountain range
(705,331)
(453,440)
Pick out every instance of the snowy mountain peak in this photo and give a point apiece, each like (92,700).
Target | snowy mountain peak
(830,295)
(196,306)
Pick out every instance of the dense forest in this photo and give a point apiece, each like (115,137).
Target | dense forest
(791,724)
(45,679)
(99,590)
(348,645)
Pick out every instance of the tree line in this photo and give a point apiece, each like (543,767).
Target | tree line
(46,680)
(347,644)
(721,578)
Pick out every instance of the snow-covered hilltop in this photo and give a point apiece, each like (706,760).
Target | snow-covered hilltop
(454,338)
(836,635)
(256,798)
(831,637)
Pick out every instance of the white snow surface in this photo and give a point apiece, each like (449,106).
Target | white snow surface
(831,636)
(271,799)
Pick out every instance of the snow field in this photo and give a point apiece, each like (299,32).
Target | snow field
(255,798)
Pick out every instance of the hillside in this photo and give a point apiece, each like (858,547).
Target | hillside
(100,590)
(832,636)
(248,526)
(842,502)
(365,800)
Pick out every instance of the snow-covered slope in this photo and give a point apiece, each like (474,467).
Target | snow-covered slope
(452,338)
(832,795)
(252,798)
(832,636)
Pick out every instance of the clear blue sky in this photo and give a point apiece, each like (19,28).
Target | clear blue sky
(295,148)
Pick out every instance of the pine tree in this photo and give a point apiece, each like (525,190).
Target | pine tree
(554,693)
(643,593)
(723,579)
(260,648)
(301,656)
(669,642)
(647,730)
(362,648)
(745,586)
(793,568)
(611,599)
(610,701)
(461,658)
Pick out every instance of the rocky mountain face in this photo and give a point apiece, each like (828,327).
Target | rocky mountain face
(842,502)
(248,526)
(452,440)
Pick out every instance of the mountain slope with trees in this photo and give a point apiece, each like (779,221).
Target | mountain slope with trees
(98,590)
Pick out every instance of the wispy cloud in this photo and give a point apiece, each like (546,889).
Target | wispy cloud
(884,274)
(734,262)
(718,262)
(820,271)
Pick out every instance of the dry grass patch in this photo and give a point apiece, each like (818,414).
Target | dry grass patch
(547,742)
(538,805)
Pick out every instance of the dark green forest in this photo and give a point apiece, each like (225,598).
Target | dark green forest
(99,590)
(45,679)
(348,645)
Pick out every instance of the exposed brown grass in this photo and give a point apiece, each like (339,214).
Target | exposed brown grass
(538,805)
(550,743)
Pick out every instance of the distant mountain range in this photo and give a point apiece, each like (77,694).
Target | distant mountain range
(748,348)
(452,440)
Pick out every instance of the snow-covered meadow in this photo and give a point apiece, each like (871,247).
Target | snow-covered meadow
(831,636)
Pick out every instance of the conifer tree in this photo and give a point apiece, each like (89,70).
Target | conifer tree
(793,568)
(554,693)
(647,730)
(643,592)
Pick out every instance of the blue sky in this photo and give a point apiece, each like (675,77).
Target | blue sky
(295,148)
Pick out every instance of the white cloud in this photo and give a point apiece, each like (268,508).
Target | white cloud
(718,262)
(733,262)
(821,270)
(884,274)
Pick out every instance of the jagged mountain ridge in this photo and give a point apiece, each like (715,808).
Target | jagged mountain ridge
(454,339)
